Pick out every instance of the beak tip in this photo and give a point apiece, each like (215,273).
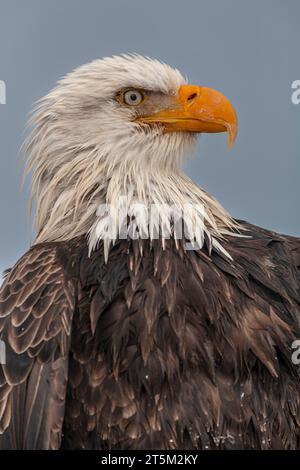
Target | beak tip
(232,133)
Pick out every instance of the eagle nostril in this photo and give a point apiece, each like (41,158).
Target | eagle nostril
(192,96)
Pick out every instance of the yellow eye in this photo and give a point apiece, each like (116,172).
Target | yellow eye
(133,97)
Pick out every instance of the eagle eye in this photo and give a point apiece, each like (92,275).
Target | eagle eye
(132,97)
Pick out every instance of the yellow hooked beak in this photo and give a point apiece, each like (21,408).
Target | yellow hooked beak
(198,109)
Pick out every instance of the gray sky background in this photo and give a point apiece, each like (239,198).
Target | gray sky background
(248,49)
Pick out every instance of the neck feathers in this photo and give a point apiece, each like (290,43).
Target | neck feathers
(74,187)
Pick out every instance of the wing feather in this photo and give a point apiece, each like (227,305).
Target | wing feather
(36,310)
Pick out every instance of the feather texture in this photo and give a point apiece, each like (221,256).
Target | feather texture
(169,349)
(36,310)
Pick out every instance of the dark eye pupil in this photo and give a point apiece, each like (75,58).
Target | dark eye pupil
(133,97)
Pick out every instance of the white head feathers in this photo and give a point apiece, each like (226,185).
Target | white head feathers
(86,150)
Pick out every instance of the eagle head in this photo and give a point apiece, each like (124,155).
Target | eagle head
(120,125)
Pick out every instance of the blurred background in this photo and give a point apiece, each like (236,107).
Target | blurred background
(249,50)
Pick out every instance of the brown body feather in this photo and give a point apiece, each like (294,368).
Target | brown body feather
(157,349)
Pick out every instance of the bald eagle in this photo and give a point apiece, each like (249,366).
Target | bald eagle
(147,340)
